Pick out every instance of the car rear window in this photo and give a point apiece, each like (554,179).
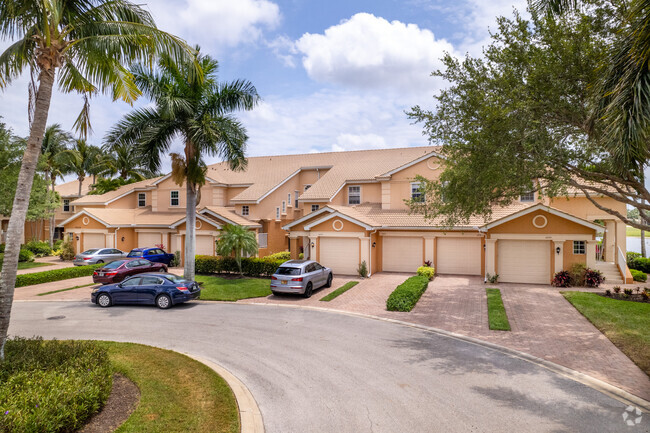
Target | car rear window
(135,254)
(288,271)
(114,265)
(175,278)
(92,251)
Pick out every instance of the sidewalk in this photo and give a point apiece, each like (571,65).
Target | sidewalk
(53,262)
(30,293)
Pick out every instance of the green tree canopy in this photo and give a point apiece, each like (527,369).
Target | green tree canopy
(235,240)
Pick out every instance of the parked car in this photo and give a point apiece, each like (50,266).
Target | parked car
(300,277)
(152,254)
(160,289)
(116,271)
(98,255)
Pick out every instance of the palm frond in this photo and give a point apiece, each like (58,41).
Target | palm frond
(552,7)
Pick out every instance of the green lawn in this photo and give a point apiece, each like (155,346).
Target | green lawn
(65,290)
(632,231)
(177,393)
(344,288)
(222,289)
(625,323)
(497,317)
(25,265)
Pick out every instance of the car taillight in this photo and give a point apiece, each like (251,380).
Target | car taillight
(95,273)
(109,274)
(274,278)
(296,279)
(86,258)
(183,289)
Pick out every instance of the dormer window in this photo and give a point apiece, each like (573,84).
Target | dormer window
(354,194)
(416,193)
(527,197)
(142,199)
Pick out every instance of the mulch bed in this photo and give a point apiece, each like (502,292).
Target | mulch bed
(122,401)
(634,297)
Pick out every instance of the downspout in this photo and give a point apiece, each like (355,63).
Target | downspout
(116,230)
(370,254)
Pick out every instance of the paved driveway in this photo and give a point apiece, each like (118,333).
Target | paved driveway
(313,371)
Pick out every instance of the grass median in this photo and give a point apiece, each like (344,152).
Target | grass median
(344,288)
(497,317)
(232,289)
(625,323)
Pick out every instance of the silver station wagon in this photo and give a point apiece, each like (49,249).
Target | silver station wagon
(300,277)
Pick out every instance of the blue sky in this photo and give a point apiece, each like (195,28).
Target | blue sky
(335,75)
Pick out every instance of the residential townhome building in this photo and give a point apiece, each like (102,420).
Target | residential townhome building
(344,208)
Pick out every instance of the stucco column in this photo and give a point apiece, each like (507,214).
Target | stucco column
(591,253)
(428,250)
(490,256)
(609,243)
(313,241)
(294,247)
(365,252)
(559,258)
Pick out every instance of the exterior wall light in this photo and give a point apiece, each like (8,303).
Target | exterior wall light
(374,244)
(313,245)
(557,250)
(122,238)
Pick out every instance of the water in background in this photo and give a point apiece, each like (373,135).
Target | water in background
(634,244)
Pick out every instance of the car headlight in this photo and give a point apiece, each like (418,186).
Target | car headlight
(95,290)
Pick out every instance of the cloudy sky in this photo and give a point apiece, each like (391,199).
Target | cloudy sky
(335,75)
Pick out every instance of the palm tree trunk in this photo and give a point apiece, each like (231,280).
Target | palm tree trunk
(81,181)
(190,230)
(16,228)
(53,216)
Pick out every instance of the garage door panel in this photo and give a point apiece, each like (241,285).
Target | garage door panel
(204,245)
(521,261)
(460,256)
(340,254)
(94,240)
(148,239)
(402,254)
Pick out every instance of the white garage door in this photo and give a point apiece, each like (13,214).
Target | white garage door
(148,239)
(458,256)
(340,254)
(204,245)
(402,254)
(94,240)
(524,261)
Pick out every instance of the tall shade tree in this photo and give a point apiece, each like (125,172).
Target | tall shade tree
(55,141)
(82,160)
(86,46)
(235,240)
(199,113)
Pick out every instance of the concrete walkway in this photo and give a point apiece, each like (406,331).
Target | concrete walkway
(52,262)
(30,293)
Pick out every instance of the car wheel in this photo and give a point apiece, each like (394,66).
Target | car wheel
(163,302)
(104,300)
(99,261)
(308,290)
(329,281)
(164,268)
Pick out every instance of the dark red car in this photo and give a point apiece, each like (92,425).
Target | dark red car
(116,271)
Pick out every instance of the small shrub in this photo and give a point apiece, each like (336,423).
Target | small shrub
(283,255)
(67,251)
(617,289)
(40,249)
(631,256)
(301,256)
(640,264)
(55,275)
(176,261)
(57,244)
(577,274)
(562,279)
(427,271)
(639,275)
(25,256)
(492,278)
(593,278)
(407,294)
(2,248)
(608,292)
(427,263)
(362,270)
(628,292)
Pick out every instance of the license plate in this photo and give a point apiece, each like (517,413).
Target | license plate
(101,274)
(284,281)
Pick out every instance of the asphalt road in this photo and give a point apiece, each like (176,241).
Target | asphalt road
(313,371)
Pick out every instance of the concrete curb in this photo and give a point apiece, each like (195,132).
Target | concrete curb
(597,384)
(250,416)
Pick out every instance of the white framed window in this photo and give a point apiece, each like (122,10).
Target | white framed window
(289,202)
(295,196)
(245,210)
(174,198)
(277,213)
(284,207)
(71,236)
(315,207)
(579,247)
(416,193)
(66,205)
(527,197)
(307,187)
(142,199)
(354,194)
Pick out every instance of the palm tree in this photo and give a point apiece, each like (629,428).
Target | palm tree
(55,141)
(90,43)
(82,159)
(237,240)
(196,112)
(126,163)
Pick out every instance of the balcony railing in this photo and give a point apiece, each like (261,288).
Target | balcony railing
(262,240)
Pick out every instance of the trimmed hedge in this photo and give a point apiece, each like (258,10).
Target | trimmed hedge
(39,248)
(639,275)
(55,275)
(407,294)
(52,386)
(252,267)
(640,264)
(283,255)
(427,271)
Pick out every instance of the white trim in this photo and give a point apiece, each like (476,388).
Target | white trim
(221,217)
(167,176)
(177,198)
(335,194)
(306,217)
(80,202)
(100,231)
(198,216)
(419,185)
(541,225)
(340,215)
(412,163)
(334,226)
(542,237)
(274,188)
(546,209)
(84,212)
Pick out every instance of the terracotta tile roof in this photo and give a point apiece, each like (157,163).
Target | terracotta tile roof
(229,214)
(265,172)
(71,189)
(131,217)
(105,198)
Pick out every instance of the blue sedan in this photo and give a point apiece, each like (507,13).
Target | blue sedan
(160,289)
(156,255)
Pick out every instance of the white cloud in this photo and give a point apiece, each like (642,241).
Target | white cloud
(224,23)
(370,52)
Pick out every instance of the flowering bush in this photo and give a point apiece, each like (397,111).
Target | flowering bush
(562,279)
(593,278)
